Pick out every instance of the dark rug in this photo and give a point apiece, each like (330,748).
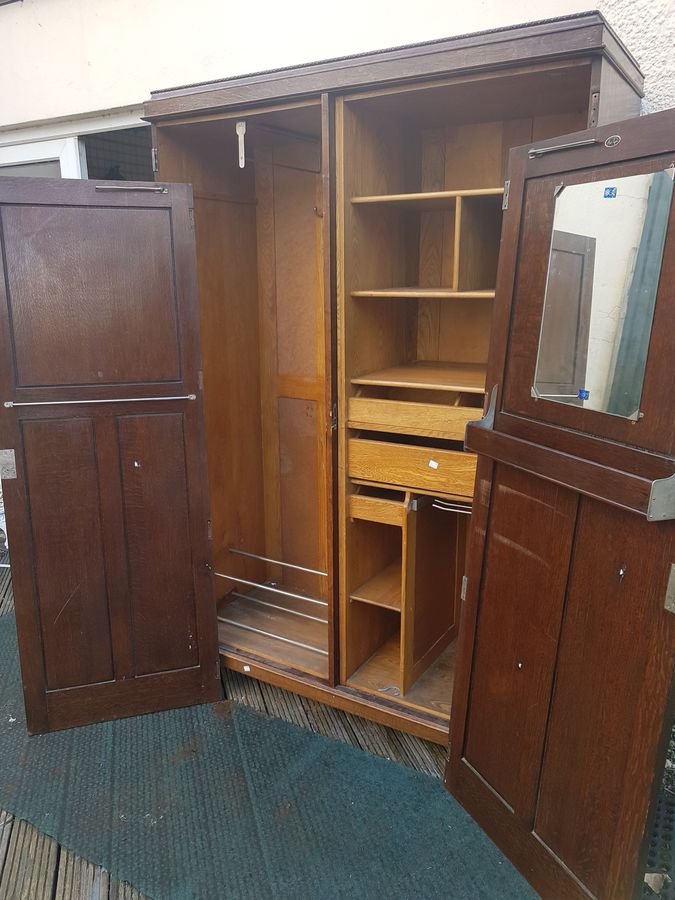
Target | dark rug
(218,801)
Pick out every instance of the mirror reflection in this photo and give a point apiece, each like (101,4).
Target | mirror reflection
(603,274)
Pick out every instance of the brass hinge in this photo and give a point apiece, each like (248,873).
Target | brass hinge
(155,159)
(465,584)
(507,188)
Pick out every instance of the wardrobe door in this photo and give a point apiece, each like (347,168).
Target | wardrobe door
(101,423)
(563,696)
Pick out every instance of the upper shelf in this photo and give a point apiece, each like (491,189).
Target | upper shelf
(421,293)
(468,378)
(427,199)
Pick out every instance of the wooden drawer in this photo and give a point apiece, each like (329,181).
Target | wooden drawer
(418,468)
(403,417)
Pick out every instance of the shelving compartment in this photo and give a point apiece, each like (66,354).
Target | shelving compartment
(265,341)
(401,620)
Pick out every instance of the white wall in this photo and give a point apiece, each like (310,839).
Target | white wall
(60,59)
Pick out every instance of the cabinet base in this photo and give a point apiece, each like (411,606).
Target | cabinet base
(384,711)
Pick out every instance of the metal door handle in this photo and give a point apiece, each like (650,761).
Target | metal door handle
(9,404)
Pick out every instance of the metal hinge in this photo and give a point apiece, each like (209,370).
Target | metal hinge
(334,418)
(465,584)
(191,218)
(155,159)
(507,189)
(208,529)
(670,591)
(7,464)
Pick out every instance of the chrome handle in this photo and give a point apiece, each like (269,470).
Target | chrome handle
(146,188)
(10,404)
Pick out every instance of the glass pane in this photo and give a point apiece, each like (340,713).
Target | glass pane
(48,168)
(603,273)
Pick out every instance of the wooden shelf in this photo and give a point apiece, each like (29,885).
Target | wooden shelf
(432,692)
(468,378)
(427,199)
(383,589)
(420,293)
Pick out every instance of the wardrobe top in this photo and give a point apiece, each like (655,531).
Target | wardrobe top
(561,38)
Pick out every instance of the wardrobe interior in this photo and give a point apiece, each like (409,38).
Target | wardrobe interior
(417,193)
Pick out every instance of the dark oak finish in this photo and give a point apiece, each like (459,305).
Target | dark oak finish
(107,517)
(562,777)
(527,555)
(566,37)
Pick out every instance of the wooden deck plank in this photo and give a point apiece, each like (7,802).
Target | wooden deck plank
(6,824)
(30,866)
(78,879)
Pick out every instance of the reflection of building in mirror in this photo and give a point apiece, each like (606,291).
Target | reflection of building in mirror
(604,266)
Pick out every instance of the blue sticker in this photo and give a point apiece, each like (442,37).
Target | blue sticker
(583,394)
(610,192)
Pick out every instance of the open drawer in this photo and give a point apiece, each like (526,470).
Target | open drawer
(424,469)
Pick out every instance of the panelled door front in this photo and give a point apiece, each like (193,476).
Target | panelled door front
(103,471)
(563,694)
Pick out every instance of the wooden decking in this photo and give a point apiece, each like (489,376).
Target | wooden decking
(35,867)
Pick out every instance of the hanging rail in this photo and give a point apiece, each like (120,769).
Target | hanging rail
(286,609)
(277,562)
(267,587)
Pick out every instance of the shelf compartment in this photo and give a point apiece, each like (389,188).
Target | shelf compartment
(432,691)
(404,417)
(416,468)
(426,199)
(422,293)
(468,378)
(383,589)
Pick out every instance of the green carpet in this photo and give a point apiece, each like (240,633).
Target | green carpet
(218,801)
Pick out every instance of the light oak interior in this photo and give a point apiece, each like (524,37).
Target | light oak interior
(420,191)
(260,264)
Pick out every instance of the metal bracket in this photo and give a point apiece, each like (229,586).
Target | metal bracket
(7,464)
(488,420)
(240,128)
(661,506)
(670,591)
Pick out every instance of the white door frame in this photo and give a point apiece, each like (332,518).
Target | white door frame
(65,150)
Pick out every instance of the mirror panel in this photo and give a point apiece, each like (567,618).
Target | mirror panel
(603,273)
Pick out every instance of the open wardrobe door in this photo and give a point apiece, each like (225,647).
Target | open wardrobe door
(103,469)
(563,697)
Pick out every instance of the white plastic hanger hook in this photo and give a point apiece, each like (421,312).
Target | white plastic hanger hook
(241,131)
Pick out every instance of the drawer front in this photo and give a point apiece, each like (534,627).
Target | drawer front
(402,417)
(417,468)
